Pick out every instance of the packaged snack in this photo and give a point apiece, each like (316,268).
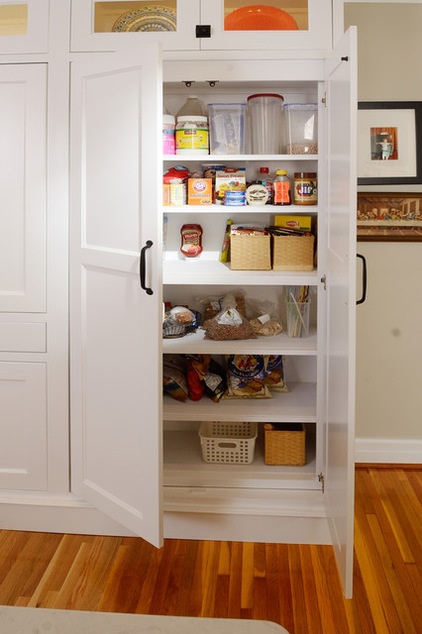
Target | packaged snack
(274,377)
(174,379)
(212,374)
(246,375)
(229,324)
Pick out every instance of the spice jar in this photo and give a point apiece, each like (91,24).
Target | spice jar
(305,188)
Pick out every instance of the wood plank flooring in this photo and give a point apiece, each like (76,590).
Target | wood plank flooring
(294,585)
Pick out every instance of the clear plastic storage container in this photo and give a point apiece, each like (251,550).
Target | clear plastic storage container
(301,128)
(227,128)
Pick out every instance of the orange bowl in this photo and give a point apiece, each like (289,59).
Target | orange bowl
(259,17)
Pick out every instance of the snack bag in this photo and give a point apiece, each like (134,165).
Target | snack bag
(246,376)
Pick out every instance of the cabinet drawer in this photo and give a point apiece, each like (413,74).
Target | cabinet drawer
(29,337)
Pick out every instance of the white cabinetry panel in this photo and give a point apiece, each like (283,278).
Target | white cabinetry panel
(23,187)
(24,26)
(23,431)
(115,324)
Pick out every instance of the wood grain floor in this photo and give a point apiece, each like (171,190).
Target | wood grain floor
(294,585)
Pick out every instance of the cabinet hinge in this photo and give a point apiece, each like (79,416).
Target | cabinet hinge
(324,281)
(203,30)
(324,99)
(321,481)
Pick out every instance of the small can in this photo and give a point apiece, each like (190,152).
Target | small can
(305,188)
(235,198)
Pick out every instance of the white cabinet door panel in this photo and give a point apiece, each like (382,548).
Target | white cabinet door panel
(23,431)
(23,161)
(341,296)
(115,325)
(24,26)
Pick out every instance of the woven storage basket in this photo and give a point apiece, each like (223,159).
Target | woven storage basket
(228,443)
(293,253)
(285,444)
(250,252)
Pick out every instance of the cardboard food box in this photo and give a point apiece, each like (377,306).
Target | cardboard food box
(301,223)
(199,191)
(229,179)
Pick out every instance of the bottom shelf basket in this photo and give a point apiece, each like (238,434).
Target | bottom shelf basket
(228,443)
(285,444)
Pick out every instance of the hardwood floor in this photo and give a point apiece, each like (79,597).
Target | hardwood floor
(295,585)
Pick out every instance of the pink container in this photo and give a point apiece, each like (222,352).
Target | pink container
(169,125)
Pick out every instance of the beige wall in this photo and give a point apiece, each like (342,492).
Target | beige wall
(389,324)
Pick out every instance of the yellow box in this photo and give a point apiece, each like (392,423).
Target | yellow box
(302,223)
(199,191)
(174,194)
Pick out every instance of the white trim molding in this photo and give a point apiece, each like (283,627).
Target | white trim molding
(394,451)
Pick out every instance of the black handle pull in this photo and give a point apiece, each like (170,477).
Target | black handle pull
(142,267)
(364,278)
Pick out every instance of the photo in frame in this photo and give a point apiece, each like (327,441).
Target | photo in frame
(389,216)
(389,143)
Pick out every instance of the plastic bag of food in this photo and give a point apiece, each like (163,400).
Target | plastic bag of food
(274,378)
(246,376)
(174,378)
(212,374)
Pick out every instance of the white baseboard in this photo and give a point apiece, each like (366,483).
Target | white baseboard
(394,451)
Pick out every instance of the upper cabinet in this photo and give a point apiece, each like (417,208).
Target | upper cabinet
(206,25)
(24,26)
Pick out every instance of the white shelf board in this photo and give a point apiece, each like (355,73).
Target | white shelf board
(204,271)
(296,406)
(241,209)
(220,159)
(184,466)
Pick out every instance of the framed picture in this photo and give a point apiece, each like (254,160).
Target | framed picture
(389,216)
(389,143)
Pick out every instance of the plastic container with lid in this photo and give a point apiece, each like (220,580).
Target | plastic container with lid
(301,128)
(265,123)
(227,128)
(192,135)
(169,126)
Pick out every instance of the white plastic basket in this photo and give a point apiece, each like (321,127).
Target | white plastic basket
(228,443)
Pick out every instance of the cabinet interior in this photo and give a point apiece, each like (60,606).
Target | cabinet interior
(190,282)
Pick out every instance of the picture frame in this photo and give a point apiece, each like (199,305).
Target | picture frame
(391,216)
(389,143)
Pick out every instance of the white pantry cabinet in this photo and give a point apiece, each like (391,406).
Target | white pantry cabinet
(192,25)
(149,475)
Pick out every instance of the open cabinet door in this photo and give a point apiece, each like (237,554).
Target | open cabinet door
(341,300)
(116,386)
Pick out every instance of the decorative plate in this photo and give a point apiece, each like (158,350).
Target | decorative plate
(151,18)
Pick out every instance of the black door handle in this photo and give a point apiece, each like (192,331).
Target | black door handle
(142,267)
(364,278)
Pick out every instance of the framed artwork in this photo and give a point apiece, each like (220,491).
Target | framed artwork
(389,143)
(389,216)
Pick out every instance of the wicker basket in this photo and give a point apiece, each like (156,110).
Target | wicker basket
(250,252)
(293,253)
(228,443)
(285,444)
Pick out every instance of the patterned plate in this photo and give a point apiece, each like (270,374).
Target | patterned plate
(152,18)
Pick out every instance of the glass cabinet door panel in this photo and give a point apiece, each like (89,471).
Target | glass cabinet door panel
(269,24)
(274,15)
(118,24)
(24,26)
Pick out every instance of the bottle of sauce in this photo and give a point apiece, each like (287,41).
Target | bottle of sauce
(281,189)
(191,240)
